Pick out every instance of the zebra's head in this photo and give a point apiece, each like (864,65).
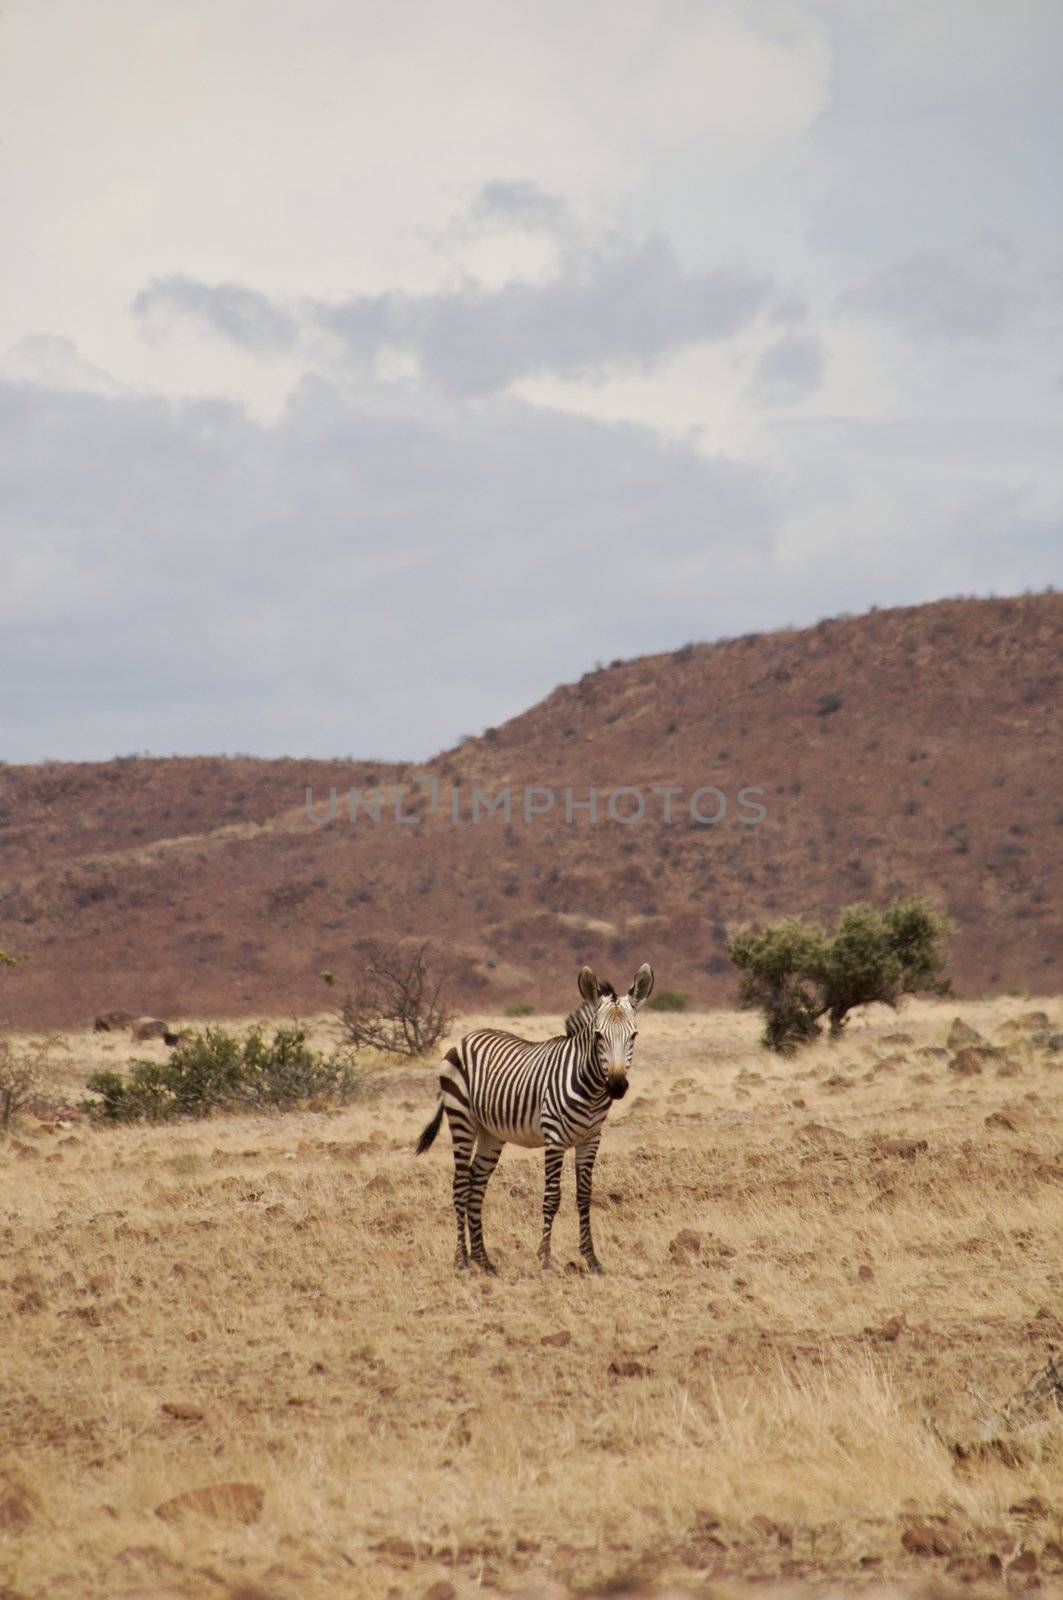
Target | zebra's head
(613,1023)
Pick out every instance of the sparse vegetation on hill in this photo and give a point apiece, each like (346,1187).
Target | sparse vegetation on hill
(203,887)
(796,974)
(216,1070)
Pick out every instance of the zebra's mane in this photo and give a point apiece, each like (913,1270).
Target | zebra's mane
(579,1021)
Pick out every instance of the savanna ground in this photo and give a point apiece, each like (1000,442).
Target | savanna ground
(804,1311)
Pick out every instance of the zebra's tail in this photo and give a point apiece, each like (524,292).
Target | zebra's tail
(428,1136)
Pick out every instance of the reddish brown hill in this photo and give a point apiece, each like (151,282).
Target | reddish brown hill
(913,749)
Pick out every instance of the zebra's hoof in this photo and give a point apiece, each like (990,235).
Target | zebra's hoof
(597,1268)
(489,1268)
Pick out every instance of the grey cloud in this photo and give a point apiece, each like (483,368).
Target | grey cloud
(520,203)
(341,580)
(979,291)
(629,308)
(245,317)
(789,369)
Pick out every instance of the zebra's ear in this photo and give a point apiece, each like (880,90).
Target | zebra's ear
(642,987)
(588,984)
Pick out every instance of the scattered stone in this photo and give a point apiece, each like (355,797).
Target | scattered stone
(1055,1042)
(1024,1569)
(1033,1508)
(222,1502)
(150,1028)
(961,1034)
(929,1539)
(625,1368)
(557,1340)
(865,1273)
(182,1411)
(1003,1119)
(889,1331)
(966,1063)
(1033,1019)
(896,1038)
(15,1510)
(443,1590)
(113,1021)
(903,1149)
(1051,1171)
(686,1243)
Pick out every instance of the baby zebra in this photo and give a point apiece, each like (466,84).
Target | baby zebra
(496,1088)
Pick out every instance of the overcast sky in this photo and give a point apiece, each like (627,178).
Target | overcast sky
(366,369)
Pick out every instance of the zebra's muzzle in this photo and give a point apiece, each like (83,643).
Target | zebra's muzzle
(616,1085)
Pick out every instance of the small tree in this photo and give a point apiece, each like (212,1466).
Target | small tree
(796,974)
(19,1081)
(399,1005)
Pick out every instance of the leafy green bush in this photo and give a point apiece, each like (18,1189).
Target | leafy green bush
(795,973)
(668,1000)
(520,1008)
(215,1070)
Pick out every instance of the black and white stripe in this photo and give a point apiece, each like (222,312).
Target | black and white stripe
(496,1089)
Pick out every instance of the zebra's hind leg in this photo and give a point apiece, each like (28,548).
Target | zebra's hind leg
(488,1150)
(555,1158)
(462,1139)
(585,1154)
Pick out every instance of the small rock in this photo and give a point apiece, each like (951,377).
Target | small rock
(1033,1019)
(1032,1507)
(222,1502)
(1003,1119)
(15,1510)
(961,1034)
(686,1243)
(150,1028)
(903,1149)
(1024,1569)
(109,1021)
(865,1273)
(557,1340)
(929,1539)
(182,1411)
(443,1590)
(889,1331)
(1055,1042)
(966,1063)
(624,1368)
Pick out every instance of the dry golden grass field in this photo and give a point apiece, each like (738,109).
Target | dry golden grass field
(825,1276)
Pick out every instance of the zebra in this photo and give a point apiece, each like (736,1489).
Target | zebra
(497,1089)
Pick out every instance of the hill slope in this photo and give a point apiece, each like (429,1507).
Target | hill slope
(912,749)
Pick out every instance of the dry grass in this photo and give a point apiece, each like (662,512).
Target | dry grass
(727,1409)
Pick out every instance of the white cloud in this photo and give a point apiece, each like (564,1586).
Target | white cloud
(751,312)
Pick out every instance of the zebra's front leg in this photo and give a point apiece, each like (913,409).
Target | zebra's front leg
(555,1157)
(488,1151)
(585,1154)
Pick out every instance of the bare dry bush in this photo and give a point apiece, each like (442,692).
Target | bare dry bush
(399,1006)
(20,1079)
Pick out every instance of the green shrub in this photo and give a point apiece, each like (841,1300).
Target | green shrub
(795,973)
(668,1000)
(520,1008)
(215,1070)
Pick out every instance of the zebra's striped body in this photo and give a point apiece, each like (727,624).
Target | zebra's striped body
(496,1089)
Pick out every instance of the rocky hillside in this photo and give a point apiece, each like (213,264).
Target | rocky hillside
(912,749)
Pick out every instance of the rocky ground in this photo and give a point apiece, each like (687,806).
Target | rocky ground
(237,1362)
